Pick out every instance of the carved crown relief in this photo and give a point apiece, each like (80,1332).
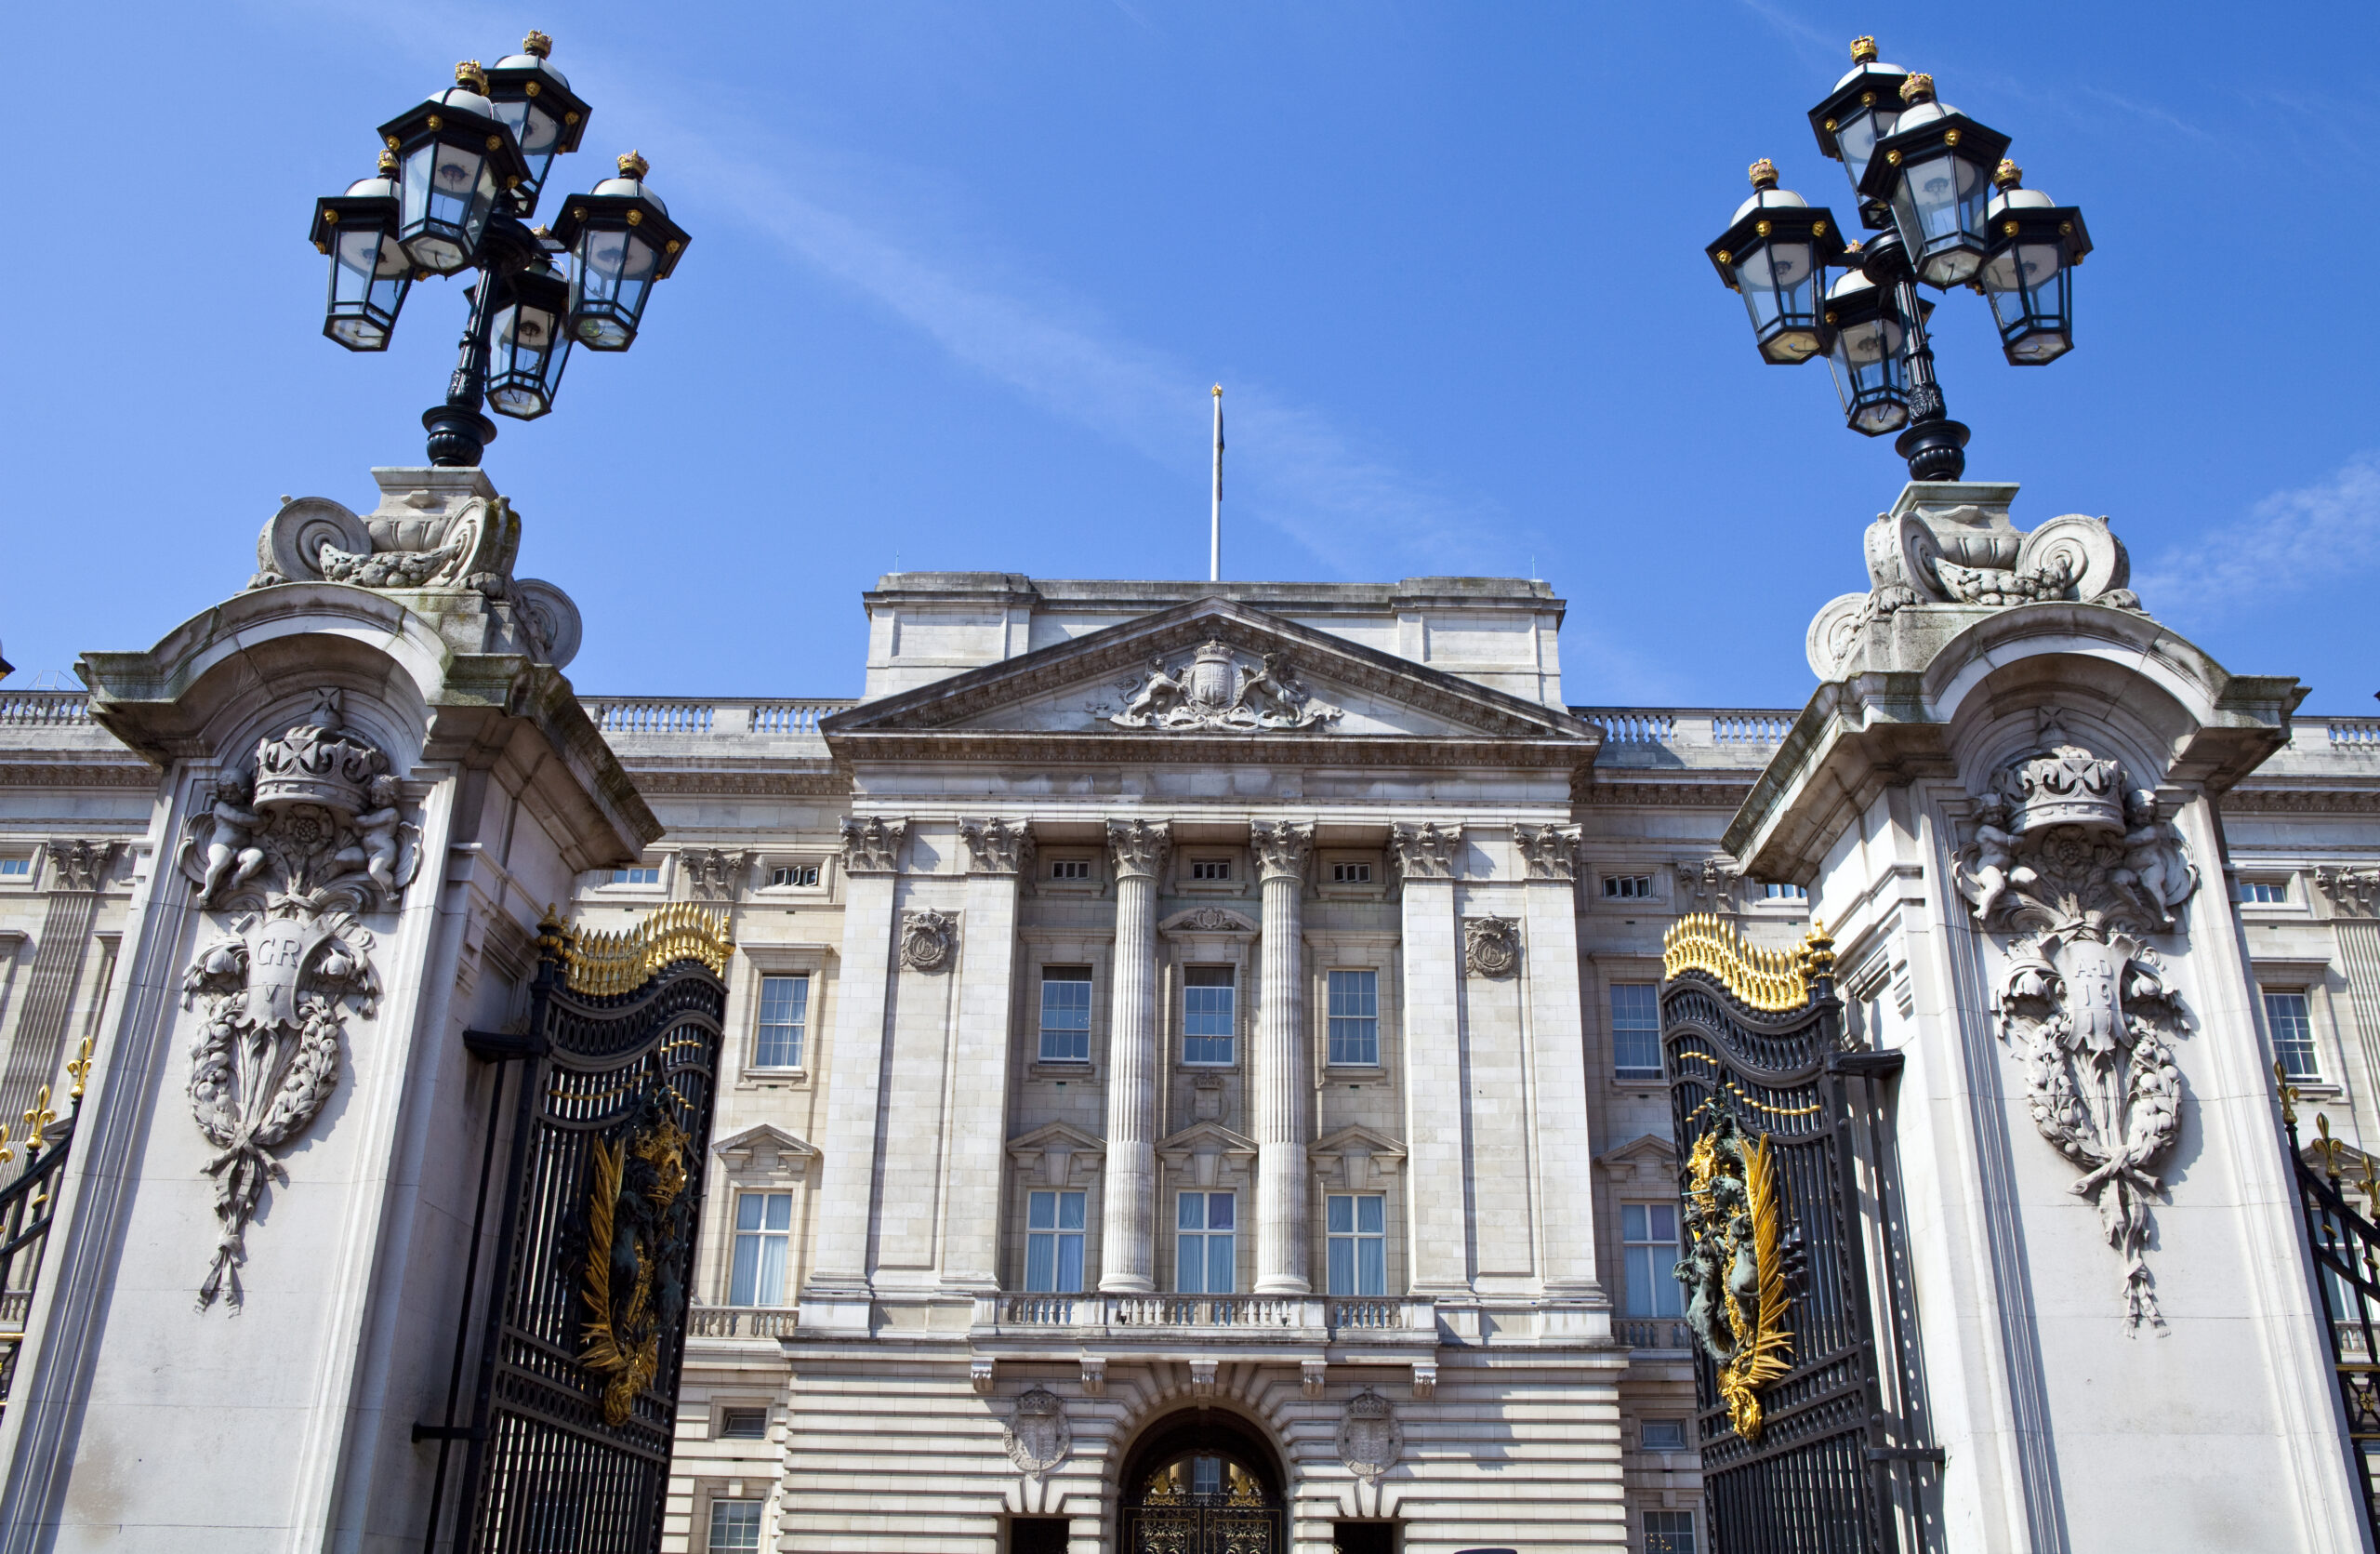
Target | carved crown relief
(1217,689)
(2071,872)
(927,939)
(1492,945)
(300,839)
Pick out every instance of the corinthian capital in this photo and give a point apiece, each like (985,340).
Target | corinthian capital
(873,846)
(1426,851)
(995,846)
(1549,852)
(1138,847)
(1282,849)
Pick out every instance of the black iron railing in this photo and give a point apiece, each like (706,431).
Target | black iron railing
(2345,1246)
(27,1206)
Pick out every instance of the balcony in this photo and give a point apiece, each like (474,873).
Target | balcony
(1233,1318)
(1661,1335)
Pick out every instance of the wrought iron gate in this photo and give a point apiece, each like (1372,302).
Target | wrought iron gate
(1791,1216)
(582,1333)
(2344,1245)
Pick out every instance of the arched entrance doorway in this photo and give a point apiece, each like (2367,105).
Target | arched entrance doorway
(1202,1483)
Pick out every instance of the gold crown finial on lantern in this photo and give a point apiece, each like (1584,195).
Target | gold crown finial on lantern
(1917,89)
(2007,175)
(388,162)
(634,165)
(1863,51)
(1763,174)
(536,42)
(467,74)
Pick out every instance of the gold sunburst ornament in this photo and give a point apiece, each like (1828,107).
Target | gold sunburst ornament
(1738,1288)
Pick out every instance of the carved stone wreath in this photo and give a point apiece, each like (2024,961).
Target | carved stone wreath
(926,940)
(1217,689)
(1036,1434)
(306,836)
(1370,1441)
(2072,870)
(1492,945)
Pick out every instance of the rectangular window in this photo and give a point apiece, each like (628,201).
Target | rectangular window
(1207,1014)
(735,1526)
(743,1424)
(1351,873)
(1211,869)
(1053,1242)
(1669,1533)
(785,1017)
(1354,1018)
(1628,887)
(1636,1030)
(1204,1262)
(2292,1034)
(1358,1243)
(16,868)
(2264,893)
(793,874)
(637,876)
(1070,868)
(1066,1014)
(1665,1435)
(1649,1251)
(763,1227)
(1783,893)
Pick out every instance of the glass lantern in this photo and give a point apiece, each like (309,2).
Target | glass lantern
(1774,254)
(455,157)
(1863,108)
(2028,271)
(370,274)
(535,102)
(527,344)
(1865,355)
(621,241)
(1934,170)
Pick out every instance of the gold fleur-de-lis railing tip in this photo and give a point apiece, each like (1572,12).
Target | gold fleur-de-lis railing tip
(2287,1094)
(80,1069)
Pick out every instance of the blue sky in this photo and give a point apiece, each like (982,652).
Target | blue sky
(962,273)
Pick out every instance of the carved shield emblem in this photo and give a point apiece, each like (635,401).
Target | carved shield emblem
(1369,1438)
(925,939)
(1492,946)
(1037,1432)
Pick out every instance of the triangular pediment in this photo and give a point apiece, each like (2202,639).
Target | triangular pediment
(1057,1135)
(1208,1137)
(1172,685)
(1646,1156)
(764,1148)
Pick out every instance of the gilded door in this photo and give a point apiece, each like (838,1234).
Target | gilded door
(1204,1504)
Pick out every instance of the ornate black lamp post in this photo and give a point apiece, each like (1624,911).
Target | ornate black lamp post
(1948,209)
(459,179)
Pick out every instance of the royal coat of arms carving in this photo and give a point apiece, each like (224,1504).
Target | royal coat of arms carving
(297,842)
(1369,1439)
(2072,871)
(1037,1435)
(1741,1266)
(639,1218)
(1219,690)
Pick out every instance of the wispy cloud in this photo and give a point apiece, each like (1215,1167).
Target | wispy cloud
(2318,535)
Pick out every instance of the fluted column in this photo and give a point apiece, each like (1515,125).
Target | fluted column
(1127,1226)
(1279,1078)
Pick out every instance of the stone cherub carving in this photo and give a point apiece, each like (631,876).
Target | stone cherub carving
(220,841)
(375,847)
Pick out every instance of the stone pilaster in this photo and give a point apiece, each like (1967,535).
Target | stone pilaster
(1279,1085)
(997,853)
(1425,856)
(77,870)
(836,1296)
(1127,1226)
(1557,1058)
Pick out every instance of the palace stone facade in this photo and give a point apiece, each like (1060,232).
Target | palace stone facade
(1168,1012)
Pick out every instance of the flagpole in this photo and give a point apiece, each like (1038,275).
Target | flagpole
(1215,513)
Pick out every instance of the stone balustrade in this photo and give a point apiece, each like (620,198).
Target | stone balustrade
(1659,1333)
(711,717)
(741,1321)
(1122,1317)
(43,709)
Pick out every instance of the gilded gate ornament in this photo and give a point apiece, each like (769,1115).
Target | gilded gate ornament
(1741,1265)
(639,1218)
